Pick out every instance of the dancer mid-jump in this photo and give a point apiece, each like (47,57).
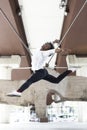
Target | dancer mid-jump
(39,72)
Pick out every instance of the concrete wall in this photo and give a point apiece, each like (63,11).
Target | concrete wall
(12,36)
(76,38)
(71,88)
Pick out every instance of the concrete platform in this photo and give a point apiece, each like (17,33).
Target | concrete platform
(44,126)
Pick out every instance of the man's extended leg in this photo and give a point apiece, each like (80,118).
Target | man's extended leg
(38,75)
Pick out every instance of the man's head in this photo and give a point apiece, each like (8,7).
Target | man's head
(47,46)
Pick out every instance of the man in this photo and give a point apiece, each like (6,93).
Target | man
(39,71)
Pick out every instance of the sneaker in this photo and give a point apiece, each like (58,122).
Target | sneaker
(14,93)
(73,69)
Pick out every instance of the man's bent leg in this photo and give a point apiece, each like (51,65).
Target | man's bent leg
(53,79)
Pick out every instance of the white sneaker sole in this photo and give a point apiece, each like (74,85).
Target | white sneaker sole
(13,95)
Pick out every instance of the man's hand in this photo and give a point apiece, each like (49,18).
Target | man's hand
(65,52)
(46,65)
(56,41)
(58,50)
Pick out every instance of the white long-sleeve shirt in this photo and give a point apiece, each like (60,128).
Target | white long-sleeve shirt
(39,58)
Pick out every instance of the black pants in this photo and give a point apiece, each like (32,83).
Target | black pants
(43,74)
